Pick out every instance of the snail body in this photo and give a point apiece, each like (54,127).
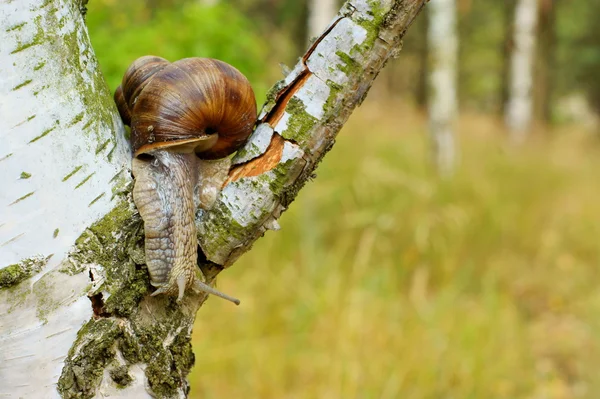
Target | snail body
(180,113)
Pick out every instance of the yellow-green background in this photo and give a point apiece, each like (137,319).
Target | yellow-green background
(384,281)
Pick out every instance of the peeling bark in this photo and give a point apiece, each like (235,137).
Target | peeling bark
(84,317)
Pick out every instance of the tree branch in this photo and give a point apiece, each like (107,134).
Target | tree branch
(299,123)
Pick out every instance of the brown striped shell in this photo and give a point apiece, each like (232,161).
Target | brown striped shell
(194,104)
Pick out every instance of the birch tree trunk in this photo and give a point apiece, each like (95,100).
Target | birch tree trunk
(320,14)
(520,98)
(443,47)
(76,318)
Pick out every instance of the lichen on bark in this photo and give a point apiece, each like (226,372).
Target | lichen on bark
(14,274)
(152,331)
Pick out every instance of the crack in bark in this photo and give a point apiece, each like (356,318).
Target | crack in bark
(98,306)
(259,165)
(287,92)
(272,155)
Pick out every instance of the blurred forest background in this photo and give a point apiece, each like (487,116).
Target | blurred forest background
(386,280)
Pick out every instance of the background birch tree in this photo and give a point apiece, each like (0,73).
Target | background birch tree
(76,319)
(519,110)
(442,100)
(320,14)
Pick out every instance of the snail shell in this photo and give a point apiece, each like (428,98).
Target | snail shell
(197,103)
(180,112)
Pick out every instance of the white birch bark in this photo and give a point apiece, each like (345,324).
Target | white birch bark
(442,99)
(519,108)
(320,14)
(76,318)
(61,157)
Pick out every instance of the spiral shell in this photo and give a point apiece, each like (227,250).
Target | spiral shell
(194,104)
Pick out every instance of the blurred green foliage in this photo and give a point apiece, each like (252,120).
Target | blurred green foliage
(122,31)
(256,35)
(588,49)
(482,31)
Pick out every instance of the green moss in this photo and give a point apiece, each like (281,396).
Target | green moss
(121,183)
(271,95)
(16,27)
(96,97)
(183,355)
(144,342)
(16,295)
(144,339)
(78,118)
(253,151)
(126,283)
(115,220)
(281,184)
(85,180)
(96,199)
(373,26)
(111,153)
(14,274)
(39,65)
(165,368)
(38,38)
(279,177)
(130,349)
(25,175)
(93,350)
(128,292)
(300,123)
(163,384)
(44,303)
(24,46)
(68,176)
(87,124)
(221,228)
(44,134)
(331,104)
(22,198)
(120,375)
(23,84)
(35,93)
(350,64)
(73,56)
(102,146)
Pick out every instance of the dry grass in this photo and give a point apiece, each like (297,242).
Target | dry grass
(385,282)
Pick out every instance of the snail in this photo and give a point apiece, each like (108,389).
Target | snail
(180,113)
